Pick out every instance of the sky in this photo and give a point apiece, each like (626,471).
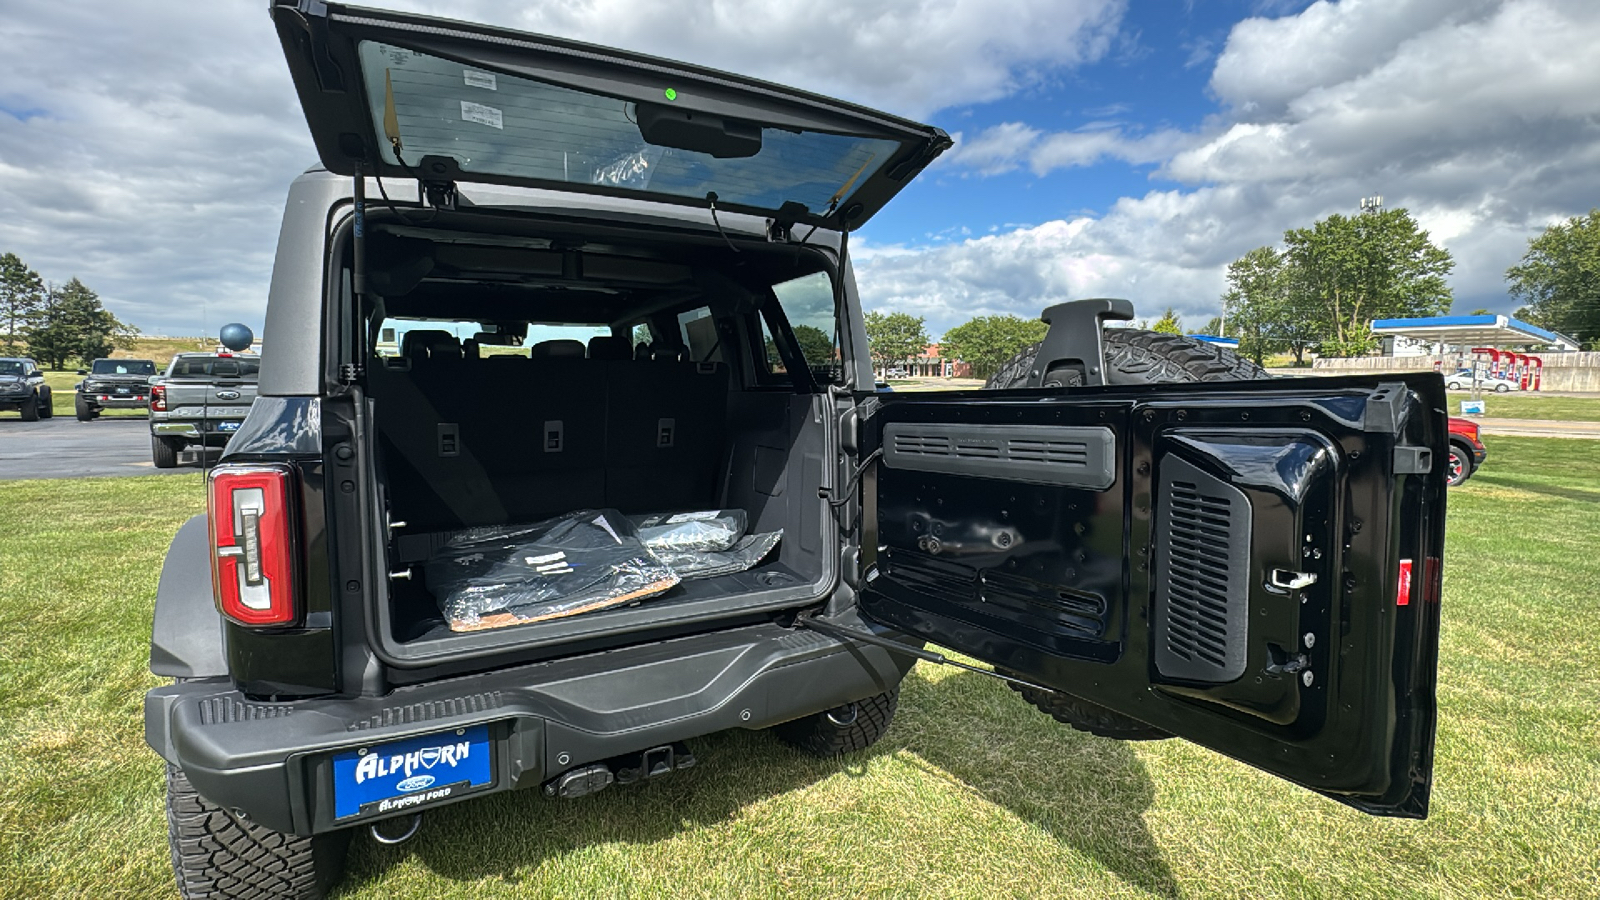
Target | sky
(1127,148)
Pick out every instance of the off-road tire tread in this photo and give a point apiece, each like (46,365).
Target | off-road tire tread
(29,409)
(47,409)
(82,410)
(817,735)
(216,855)
(1137,356)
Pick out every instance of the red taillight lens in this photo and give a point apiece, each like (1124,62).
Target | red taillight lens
(158,398)
(252,543)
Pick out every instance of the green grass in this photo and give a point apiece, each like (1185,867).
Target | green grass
(1533,406)
(970,794)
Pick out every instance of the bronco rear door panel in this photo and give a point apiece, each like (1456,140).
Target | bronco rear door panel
(1253,566)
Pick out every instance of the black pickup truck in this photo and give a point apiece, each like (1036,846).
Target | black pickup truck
(113,384)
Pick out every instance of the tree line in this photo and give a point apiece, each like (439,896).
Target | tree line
(54,323)
(1323,288)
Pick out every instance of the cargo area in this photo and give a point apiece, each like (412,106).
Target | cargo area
(508,386)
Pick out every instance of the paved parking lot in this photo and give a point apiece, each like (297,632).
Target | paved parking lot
(63,447)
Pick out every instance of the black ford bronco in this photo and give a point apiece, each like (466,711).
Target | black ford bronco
(1135,531)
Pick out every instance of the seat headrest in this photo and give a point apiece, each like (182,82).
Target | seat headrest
(641,351)
(563,348)
(605,347)
(667,354)
(430,343)
(497,338)
(469,348)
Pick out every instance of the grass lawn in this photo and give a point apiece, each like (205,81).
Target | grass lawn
(970,794)
(1533,406)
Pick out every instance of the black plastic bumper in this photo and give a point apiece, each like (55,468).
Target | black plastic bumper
(272,761)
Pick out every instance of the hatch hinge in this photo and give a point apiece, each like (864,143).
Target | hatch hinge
(440,194)
(846,633)
(350,373)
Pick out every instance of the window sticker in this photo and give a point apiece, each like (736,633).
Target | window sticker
(478,79)
(483,115)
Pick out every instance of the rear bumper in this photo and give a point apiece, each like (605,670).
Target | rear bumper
(273,760)
(191,430)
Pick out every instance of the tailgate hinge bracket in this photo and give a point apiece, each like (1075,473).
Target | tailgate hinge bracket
(1075,338)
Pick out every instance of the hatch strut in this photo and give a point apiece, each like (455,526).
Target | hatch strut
(845,633)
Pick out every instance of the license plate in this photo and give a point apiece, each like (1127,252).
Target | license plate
(228,426)
(122,390)
(415,772)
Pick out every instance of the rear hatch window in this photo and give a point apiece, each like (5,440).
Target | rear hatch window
(216,367)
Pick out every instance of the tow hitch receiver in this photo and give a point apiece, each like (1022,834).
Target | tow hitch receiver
(627,769)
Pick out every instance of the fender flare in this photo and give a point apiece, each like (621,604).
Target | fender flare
(186,638)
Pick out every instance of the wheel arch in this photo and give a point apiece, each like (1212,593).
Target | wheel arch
(186,638)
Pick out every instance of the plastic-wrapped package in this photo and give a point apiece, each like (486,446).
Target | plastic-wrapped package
(746,553)
(576,563)
(711,529)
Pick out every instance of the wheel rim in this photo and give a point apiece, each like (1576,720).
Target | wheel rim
(1456,467)
(843,716)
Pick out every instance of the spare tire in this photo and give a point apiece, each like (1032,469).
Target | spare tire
(1137,356)
(1133,356)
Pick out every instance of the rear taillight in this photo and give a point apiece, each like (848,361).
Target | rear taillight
(158,398)
(252,543)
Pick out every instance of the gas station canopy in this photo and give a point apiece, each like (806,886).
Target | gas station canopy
(1473,331)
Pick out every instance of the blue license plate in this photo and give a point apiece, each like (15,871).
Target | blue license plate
(411,773)
(228,426)
(122,390)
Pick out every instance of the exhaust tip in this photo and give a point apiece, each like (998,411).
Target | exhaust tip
(413,823)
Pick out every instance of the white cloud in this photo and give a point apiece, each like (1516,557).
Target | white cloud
(1013,145)
(147,148)
(1481,118)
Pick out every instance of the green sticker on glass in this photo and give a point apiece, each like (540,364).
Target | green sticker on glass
(671,94)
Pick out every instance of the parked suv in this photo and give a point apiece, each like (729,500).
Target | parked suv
(22,388)
(377,617)
(113,384)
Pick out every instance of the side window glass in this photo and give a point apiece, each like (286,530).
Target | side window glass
(699,332)
(642,336)
(807,303)
(772,360)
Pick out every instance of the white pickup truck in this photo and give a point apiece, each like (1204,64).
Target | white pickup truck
(201,400)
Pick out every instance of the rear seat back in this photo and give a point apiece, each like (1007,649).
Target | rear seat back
(516,439)
(666,440)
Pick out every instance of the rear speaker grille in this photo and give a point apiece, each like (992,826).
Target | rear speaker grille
(1202,569)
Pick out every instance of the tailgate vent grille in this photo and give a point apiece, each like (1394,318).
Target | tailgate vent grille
(1070,455)
(1202,572)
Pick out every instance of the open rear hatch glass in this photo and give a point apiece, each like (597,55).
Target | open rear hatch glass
(414,97)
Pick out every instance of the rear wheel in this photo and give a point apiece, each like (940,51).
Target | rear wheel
(843,729)
(1458,467)
(82,409)
(164,452)
(216,854)
(1133,356)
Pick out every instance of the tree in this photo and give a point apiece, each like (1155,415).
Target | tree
(1257,304)
(986,342)
(1212,327)
(895,337)
(72,323)
(1559,279)
(1349,270)
(815,345)
(21,300)
(1169,323)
